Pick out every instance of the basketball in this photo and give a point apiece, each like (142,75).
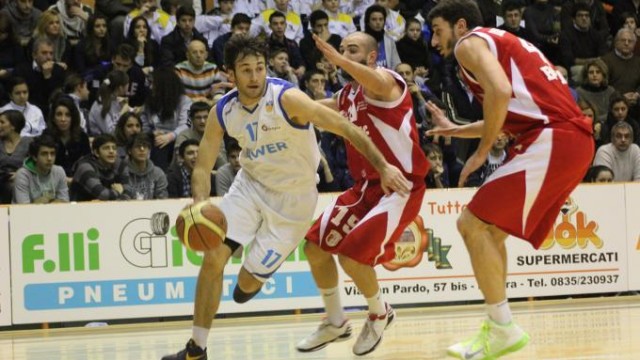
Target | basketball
(201,226)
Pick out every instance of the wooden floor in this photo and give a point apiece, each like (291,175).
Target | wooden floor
(596,328)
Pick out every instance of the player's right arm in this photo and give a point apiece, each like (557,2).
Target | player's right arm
(446,127)
(207,155)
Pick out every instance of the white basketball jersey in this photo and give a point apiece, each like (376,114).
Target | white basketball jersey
(279,154)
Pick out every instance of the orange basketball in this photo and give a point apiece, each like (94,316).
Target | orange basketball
(201,226)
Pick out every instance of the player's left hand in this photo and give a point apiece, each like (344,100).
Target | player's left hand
(328,51)
(473,163)
(392,180)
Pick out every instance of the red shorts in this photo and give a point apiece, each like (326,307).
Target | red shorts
(523,197)
(364,225)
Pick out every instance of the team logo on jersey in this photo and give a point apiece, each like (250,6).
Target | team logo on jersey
(266,127)
(413,243)
(269,106)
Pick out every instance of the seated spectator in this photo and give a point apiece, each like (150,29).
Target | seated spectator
(624,66)
(227,173)
(198,115)
(262,23)
(74,15)
(250,7)
(147,51)
(64,126)
(334,80)
(179,177)
(631,23)
(99,175)
(160,23)
(173,48)
(217,22)
(278,40)
(13,151)
(240,24)
(597,13)
(580,43)
(43,76)
(374,20)
(315,85)
(340,23)
(512,16)
(595,88)
(19,95)
(39,180)
(319,23)
(278,66)
(355,8)
(394,23)
(599,174)
(420,94)
(619,112)
(543,21)
(49,28)
(413,50)
(495,159)
(76,88)
(201,79)
(438,176)
(590,111)
(95,48)
(112,103)
(165,114)
(621,155)
(24,18)
(147,180)
(129,125)
(116,11)
(11,55)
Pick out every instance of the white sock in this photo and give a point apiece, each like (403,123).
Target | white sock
(200,335)
(500,312)
(333,306)
(376,305)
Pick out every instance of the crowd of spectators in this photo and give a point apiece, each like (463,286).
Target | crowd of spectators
(109,100)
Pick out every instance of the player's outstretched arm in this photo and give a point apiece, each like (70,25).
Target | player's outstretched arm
(209,148)
(446,127)
(302,110)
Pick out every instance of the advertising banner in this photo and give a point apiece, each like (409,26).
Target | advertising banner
(584,253)
(633,233)
(5,270)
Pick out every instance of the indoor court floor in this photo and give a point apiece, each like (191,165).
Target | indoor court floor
(594,328)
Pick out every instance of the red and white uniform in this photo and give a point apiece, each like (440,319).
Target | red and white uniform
(553,145)
(362,223)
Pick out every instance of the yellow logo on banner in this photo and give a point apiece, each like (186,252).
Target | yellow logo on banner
(638,245)
(571,232)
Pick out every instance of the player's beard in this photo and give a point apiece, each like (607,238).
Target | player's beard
(346,76)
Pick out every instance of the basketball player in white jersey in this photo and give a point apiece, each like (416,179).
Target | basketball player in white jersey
(274,196)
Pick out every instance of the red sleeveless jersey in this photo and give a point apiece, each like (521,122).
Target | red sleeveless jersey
(540,95)
(392,128)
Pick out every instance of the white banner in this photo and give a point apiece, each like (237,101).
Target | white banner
(5,274)
(633,233)
(585,253)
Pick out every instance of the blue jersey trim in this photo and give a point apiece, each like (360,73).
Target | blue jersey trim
(221,104)
(286,86)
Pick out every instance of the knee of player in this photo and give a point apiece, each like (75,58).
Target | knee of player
(241,297)
(312,251)
(349,265)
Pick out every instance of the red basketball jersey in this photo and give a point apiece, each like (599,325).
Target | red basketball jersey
(540,95)
(392,128)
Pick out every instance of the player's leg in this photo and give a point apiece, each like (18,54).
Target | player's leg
(498,335)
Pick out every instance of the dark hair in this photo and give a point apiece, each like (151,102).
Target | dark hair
(594,171)
(580,6)
(373,9)
(510,5)
(5,25)
(317,15)
(114,80)
(240,18)
(139,139)
(277,14)
(92,53)
(233,146)
(119,130)
(67,102)
(102,139)
(185,11)
(411,21)
(240,46)
(627,14)
(429,148)
(584,104)
(453,10)
(125,51)
(149,55)
(15,81)
(16,119)
(44,140)
(72,82)
(616,97)
(165,94)
(197,107)
(183,146)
